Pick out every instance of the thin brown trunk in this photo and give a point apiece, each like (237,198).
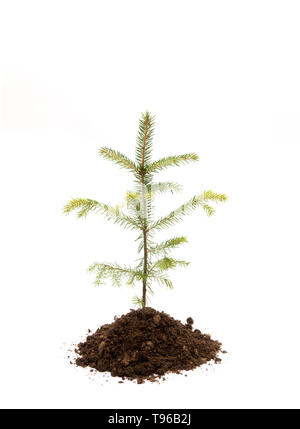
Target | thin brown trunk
(145,213)
(145,268)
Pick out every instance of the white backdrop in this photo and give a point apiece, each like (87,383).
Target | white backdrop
(222,78)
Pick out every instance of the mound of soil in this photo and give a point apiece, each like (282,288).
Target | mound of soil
(146,344)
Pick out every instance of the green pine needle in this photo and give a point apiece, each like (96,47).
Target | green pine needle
(185,209)
(85,206)
(167,263)
(116,273)
(167,245)
(144,140)
(171,161)
(162,187)
(118,158)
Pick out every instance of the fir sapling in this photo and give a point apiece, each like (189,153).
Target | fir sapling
(155,260)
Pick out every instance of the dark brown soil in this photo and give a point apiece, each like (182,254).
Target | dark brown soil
(146,344)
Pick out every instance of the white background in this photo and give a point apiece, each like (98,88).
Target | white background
(222,78)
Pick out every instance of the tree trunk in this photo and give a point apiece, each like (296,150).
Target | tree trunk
(145,213)
(145,268)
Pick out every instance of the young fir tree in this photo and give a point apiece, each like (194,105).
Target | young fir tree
(155,260)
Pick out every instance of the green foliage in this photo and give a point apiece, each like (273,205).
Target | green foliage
(156,260)
(167,263)
(166,246)
(116,273)
(162,187)
(171,161)
(138,301)
(161,279)
(144,140)
(118,158)
(84,206)
(185,209)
